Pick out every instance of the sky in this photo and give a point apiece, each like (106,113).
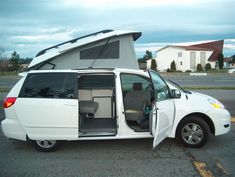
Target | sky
(28,26)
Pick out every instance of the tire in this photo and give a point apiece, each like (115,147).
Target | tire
(193,132)
(45,145)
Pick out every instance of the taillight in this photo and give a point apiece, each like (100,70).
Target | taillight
(9,101)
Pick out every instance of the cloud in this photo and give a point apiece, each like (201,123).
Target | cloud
(47,36)
(229,46)
(105,4)
(33,25)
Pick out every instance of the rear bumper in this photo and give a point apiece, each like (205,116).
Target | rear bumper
(12,129)
(221,119)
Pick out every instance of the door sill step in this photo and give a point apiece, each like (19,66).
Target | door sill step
(92,134)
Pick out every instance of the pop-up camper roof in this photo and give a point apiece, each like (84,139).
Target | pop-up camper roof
(104,49)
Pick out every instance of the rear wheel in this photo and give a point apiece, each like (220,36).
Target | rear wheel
(45,145)
(193,132)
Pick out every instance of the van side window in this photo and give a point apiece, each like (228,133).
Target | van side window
(106,51)
(128,80)
(161,89)
(49,85)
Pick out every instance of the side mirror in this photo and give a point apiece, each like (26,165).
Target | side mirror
(175,93)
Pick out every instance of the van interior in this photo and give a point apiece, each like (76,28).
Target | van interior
(97,105)
(137,105)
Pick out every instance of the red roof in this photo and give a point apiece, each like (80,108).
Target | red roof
(215,46)
(192,48)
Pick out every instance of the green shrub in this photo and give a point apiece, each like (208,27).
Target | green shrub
(168,70)
(208,67)
(199,67)
(188,71)
(221,60)
(173,66)
(153,64)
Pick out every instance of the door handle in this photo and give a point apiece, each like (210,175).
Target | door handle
(69,104)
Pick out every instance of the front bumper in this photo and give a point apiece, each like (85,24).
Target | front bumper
(221,119)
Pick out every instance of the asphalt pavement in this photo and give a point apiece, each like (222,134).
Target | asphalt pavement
(121,157)
(111,158)
(8,81)
(210,80)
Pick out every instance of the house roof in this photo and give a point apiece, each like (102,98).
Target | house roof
(185,48)
(215,46)
(192,48)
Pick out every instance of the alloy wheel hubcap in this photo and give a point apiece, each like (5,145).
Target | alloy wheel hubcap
(46,143)
(192,133)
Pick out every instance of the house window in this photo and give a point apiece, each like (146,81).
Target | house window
(105,51)
(179,54)
(181,63)
(192,60)
(203,58)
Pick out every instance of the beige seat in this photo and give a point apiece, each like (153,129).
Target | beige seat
(88,107)
(135,102)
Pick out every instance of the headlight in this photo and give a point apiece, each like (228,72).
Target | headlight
(216,104)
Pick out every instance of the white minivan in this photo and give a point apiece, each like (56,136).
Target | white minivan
(47,106)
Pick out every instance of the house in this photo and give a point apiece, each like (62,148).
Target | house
(104,49)
(228,62)
(187,57)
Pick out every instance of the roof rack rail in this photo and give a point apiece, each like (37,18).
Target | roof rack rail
(108,69)
(72,41)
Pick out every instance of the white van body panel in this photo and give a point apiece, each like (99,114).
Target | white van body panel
(11,126)
(199,104)
(57,119)
(52,118)
(163,121)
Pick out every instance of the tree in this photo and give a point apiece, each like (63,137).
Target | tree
(1,53)
(153,65)
(173,66)
(233,59)
(3,61)
(221,60)
(208,67)
(199,67)
(14,61)
(141,60)
(148,55)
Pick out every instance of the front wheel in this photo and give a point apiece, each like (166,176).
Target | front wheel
(193,132)
(45,145)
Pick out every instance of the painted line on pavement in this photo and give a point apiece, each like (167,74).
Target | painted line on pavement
(203,169)
(221,168)
(233,119)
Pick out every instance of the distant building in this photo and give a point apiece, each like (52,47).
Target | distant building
(187,57)
(228,62)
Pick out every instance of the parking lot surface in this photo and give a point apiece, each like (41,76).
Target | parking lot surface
(116,158)
(120,157)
